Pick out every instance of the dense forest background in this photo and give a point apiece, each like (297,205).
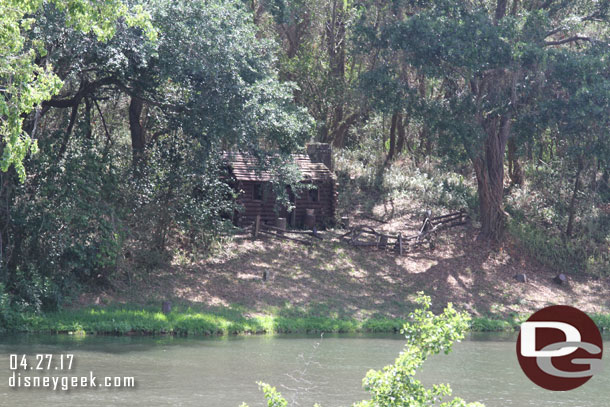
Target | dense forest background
(114,119)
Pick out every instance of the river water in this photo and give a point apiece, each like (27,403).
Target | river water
(222,372)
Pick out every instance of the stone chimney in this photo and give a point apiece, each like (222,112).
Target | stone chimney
(321,153)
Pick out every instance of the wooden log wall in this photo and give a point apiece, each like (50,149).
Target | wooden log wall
(324,207)
(252,207)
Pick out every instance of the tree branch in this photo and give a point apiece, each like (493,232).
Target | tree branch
(97,106)
(83,91)
(64,144)
(567,40)
(152,102)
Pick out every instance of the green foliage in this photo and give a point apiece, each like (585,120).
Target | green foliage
(68,232)
(218,80)
(124,319)
(183,190)
(427,334)
(602,321)
(95,209)
(580,256)
(24,83)
(383,325)
(539,215)
(548,249)
(362,172)
(7,314)
(462,68)
(483,324)
(274,399)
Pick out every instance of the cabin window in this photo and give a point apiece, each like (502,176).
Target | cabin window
(257,192)
(314,194)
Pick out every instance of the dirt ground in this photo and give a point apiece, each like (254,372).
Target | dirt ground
(333,278)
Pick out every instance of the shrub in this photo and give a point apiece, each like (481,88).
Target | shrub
(65,229)
(364,173)
(491,325)
(540,210)
(577,255)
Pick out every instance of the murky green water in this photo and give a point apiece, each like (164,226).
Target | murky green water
(222,372)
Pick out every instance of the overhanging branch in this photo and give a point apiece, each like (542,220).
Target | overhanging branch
(87,89)
(575,38)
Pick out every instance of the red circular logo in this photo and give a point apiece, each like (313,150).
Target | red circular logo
(559,348)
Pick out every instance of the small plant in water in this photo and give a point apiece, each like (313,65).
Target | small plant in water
(395,385)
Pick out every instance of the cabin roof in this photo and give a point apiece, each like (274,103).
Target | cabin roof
(245,168)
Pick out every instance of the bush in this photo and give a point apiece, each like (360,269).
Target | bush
(181,193)
(10,318)
(575,255)
(74,221)
(364,173)
(483,324)
(539,215)
(65,229)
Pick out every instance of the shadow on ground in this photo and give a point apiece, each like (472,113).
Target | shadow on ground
(333,279)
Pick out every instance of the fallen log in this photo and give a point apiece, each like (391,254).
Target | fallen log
(457,214)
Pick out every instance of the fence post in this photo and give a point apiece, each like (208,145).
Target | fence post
(281,224)
(399,243)
(383,242)
(256,226)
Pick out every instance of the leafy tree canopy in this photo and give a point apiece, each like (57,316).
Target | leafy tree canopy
(24,83)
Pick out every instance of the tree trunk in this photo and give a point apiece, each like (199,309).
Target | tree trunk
(335,34)
(341,131)
(514,8)
(593,184)
(88,127)
(489,170)
(500,10)
(138,136)
(400,143)
(572,207)
(66,139)
(605,181)
(515,172)
(425,144)
(392,149)
(335,42)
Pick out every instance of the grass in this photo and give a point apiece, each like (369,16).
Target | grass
(126,320)
(223,321)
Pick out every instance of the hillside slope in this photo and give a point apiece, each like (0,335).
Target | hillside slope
(332,278)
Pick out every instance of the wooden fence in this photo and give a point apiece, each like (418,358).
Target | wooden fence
(366,236)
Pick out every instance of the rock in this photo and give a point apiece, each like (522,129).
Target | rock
(560,279)
(345,221)
(522,278)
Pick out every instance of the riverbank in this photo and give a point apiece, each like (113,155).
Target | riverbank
(223,321)
(270,286)
(331,278)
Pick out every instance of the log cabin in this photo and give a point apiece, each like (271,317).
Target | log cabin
(257,198)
